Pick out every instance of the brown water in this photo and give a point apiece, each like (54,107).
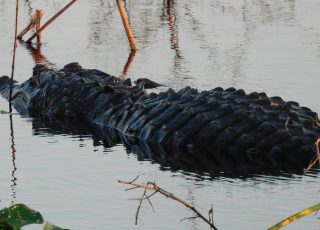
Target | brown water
(271,46)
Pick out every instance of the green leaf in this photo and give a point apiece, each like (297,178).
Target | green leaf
(5,226)
(3,217)
(4,214)
(49,226)
(19,215)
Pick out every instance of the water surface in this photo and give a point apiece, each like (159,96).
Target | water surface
(271,46)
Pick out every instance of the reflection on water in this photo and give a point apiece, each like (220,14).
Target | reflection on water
(99,23)
(13,154)
(28,6)
(169,159)
(36,54)
(261,45)
(174,39)
(188,161)
(128,63)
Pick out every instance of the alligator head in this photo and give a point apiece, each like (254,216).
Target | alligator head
(65,92)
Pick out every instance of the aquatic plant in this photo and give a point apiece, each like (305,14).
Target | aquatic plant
(19,215)
(295,217)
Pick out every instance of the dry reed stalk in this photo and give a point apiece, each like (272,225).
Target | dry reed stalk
(35,22)
(126,25)
(51,20)
(29,27)
(14,55)
(155,188)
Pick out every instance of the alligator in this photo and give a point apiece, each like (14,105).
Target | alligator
(223,129)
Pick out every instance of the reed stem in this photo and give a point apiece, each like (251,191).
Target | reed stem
(51,20)
(14,55)
(126,25)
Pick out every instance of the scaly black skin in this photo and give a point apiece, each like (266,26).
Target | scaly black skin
(230,128)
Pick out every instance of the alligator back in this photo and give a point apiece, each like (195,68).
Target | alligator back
(227,125)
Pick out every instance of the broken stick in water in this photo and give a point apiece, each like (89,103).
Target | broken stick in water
(126,25)
(157,189)
(35,22)
(50,21)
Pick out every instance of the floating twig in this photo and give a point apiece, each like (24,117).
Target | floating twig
(295,217)
(50,21)
(14,55)
(126,25)
(157,189)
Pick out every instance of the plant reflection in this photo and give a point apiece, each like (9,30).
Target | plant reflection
(174,39)
(36,54)
(174,35)
(190,186)
(13,155)
(125,6)
(27,4)
(128,64)
(99,20)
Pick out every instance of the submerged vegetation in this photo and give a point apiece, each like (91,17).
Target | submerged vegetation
(19,215)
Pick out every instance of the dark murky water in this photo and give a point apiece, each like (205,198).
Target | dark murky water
(271,46)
